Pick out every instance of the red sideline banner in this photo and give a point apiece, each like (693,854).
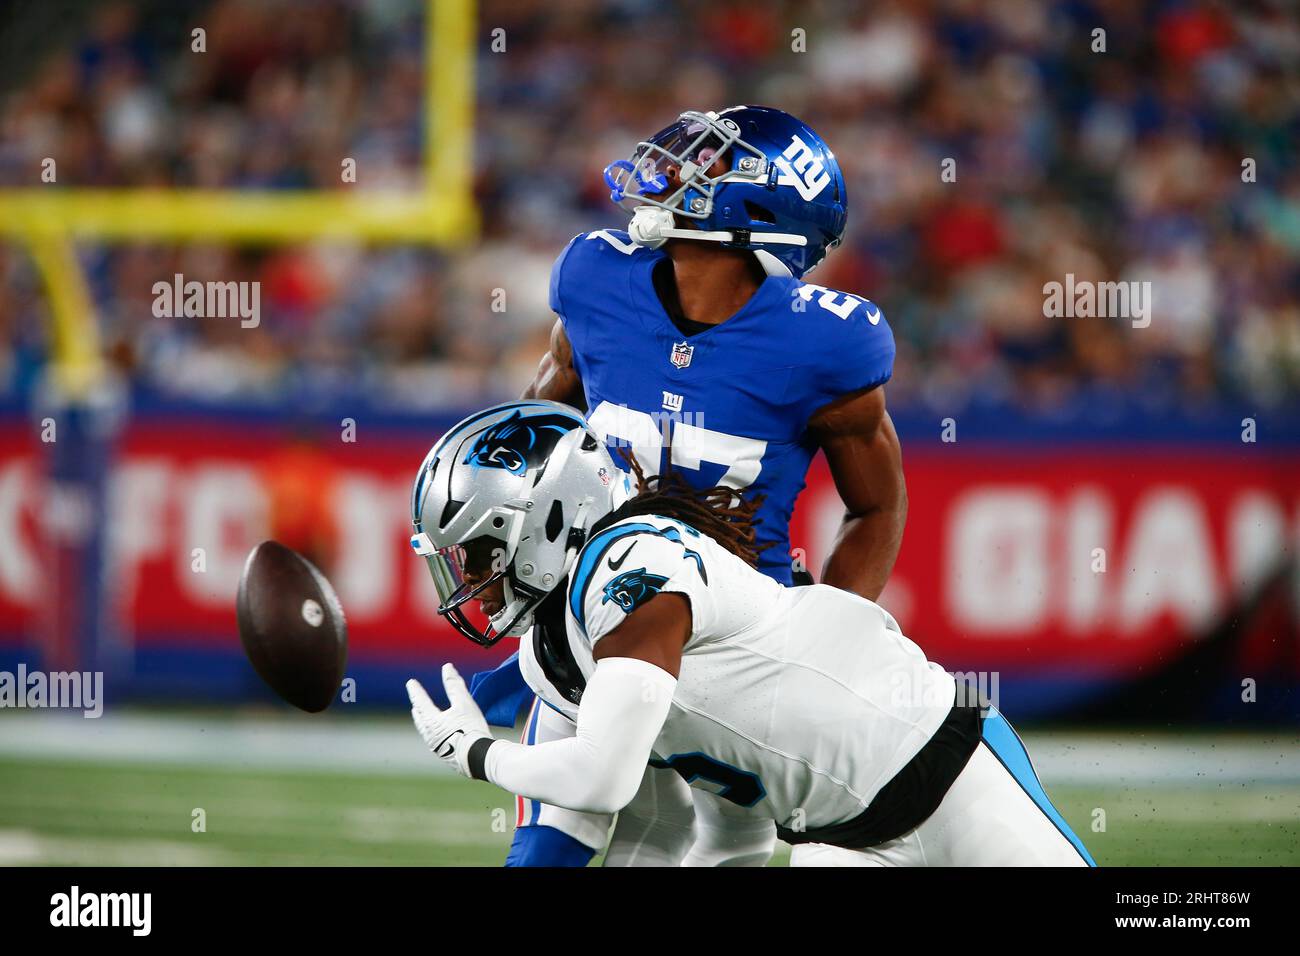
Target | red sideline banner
(1092,561)
(1088,561)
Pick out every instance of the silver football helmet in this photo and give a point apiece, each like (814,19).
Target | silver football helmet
(509,494)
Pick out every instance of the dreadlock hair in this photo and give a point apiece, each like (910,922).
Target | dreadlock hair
(722,513)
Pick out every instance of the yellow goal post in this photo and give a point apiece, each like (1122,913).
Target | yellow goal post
(50,220)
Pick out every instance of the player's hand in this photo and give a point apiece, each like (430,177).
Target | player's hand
(448,733)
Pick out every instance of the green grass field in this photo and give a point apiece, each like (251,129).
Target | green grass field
(137,805)
(143,814)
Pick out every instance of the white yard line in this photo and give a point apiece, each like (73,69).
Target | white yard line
(1168,759)
(389,746)
(27,847)
(365,746)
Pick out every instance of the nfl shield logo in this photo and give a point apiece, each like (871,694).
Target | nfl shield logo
(682,352)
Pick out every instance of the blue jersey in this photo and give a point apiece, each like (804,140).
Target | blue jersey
(729,405)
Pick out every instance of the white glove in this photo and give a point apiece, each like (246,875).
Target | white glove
(450,733)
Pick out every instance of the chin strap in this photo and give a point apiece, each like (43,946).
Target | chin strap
(577,536)
(652,226)
(515,618)
(523,619)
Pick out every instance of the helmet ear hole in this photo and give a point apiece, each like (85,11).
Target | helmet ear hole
(757,213)
(589,442)
(449,511)
(555,520)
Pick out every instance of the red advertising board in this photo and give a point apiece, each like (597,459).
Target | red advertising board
(1084,559)
(1092,561)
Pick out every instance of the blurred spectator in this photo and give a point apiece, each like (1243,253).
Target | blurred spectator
(1118,165)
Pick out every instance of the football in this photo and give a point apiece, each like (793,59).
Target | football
(292,626)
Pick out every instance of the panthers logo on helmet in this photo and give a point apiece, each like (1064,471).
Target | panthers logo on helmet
(631,589)
(517,442)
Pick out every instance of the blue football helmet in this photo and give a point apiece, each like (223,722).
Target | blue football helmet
(778,191)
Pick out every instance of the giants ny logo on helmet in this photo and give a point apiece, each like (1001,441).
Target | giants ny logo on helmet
(799,167)
(748,177)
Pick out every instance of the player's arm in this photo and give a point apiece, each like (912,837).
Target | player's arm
(623,709)
(556,379)
(866,462)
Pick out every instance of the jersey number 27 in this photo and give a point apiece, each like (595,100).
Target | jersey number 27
(690,445)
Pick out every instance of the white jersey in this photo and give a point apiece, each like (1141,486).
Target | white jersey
(796,703)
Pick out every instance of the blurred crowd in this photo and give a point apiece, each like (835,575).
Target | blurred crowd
(1163,149)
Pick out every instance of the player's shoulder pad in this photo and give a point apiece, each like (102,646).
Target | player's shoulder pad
(853,342)
(590,260)
(627,564)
